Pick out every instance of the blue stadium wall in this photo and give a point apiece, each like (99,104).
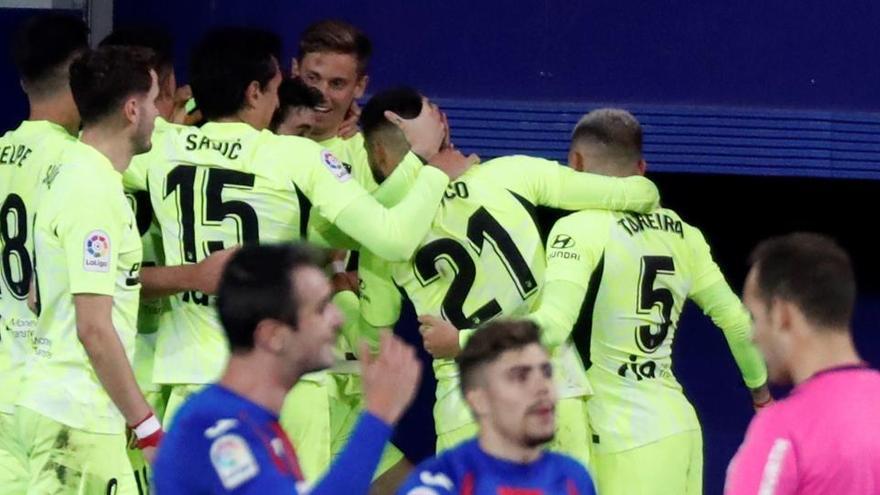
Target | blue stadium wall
(760,118)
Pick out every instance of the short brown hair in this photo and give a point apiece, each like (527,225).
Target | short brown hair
(490,341)
(102,79)
(617,130)
(810,270)
(337,36)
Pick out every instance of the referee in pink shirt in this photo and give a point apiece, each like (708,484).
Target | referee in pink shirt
(824,438)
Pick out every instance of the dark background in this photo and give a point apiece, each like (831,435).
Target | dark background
(759,56)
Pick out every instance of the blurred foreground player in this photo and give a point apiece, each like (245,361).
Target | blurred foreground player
(507,381)
(275,306)
(824,438)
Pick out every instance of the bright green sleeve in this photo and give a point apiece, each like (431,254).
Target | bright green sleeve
(380,300)
(395,232)
(717,300)
(547,183)
(727,312)
(575,248)
(349,306)
(389,193)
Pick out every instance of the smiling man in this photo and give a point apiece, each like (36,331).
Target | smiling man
(507,380)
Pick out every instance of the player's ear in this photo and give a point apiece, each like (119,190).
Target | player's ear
(252,94)
(477,399)
(781,315)
(642,166)
(361,86)
(576,160)
(294,67)
(131,110)
(269,336)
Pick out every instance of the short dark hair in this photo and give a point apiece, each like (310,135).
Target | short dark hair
(102,79)
(258,284)
(404,101)
(337,36)
(810,270)
(294,93)
(617,130)
(489,342)
(41,47)
(225,62)
(152,37)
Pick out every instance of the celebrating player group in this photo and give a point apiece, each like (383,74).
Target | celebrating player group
(199,284)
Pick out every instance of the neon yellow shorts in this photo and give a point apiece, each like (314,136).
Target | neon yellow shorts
(671,465)
(573,435)
(176,395)
(345,408)
(305,416)
(13,457)
(64,460)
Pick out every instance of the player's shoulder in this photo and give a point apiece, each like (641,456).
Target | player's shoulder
(442,474)
(585,222)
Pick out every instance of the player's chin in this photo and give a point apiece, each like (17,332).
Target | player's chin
(536,438)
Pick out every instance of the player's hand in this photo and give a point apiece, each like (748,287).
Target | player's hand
(389,379)
(761,397)
(343,281)
(207,273)
(453,163)
(425,133)
(440,337)
(149,454)
(349,126)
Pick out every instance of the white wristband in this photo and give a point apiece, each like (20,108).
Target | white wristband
(147,427)
(338,266)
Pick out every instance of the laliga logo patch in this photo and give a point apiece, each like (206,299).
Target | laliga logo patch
(233,461)
(96,255)
(335,166)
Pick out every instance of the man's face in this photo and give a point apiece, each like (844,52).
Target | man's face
(298,122)
(335,76)
(520,398)
(318,320)
(146,118)
(765,331)
(266,101)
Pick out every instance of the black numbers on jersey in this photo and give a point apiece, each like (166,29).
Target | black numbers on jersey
(649,338)
(13,234)
(456,190)
(182,180)
(481,227)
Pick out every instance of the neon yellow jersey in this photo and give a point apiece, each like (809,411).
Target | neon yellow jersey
(484,256)
(85,242)
(226,184)
(633,273)
(353,155)
(24,152)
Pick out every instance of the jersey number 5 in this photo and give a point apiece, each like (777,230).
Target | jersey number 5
(650,337)
(481,227)
(182,180)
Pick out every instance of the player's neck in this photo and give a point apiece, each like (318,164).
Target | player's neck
(826,350)
(500,447)
(319,136)
(243,117)
(111,142)
(56,110)
(246,375)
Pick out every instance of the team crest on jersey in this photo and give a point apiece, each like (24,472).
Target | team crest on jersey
(336,167)
(233,461)
(96,252)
